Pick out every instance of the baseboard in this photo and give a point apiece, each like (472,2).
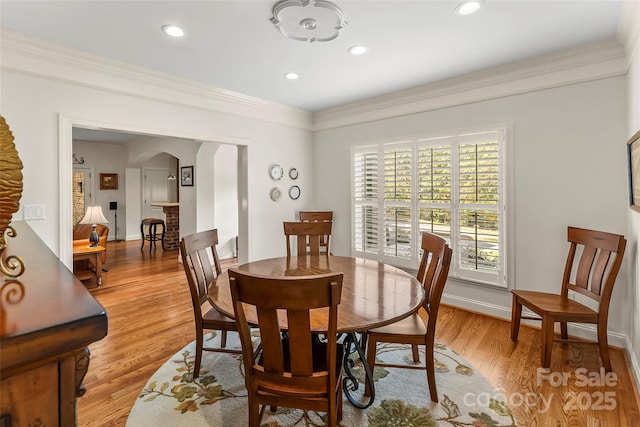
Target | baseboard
(634,365)
(478,306)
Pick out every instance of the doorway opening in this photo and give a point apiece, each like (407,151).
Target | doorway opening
(67,128)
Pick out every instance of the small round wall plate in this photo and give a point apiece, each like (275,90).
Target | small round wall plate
(294,192)
(293,173)
(275,194)
(276,172)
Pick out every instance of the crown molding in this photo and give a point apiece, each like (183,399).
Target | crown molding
(51,61)
(628,28)
(584,63)
(604,59)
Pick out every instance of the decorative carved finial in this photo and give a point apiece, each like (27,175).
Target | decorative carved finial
(10,193)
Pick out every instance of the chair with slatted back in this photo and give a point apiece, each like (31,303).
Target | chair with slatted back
(299,371)
(591,268)
(202,266)
(319,216)
(308,237)
(432,273)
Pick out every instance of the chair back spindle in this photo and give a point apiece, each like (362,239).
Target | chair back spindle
(317,216)
(309,237)
(599,260)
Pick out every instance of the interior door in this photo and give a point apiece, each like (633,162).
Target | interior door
(82,187)
(156,190)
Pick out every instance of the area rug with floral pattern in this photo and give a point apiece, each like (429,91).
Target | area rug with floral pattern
(172,397)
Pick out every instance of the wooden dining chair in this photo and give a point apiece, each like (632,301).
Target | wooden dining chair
(591,269)
(202,266)
(309,236)
(315,216)
(299,371)
(319,216)
(432,273)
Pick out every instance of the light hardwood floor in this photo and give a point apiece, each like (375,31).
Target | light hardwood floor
(150,318)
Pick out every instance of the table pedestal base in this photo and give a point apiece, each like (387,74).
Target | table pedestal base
(350,382)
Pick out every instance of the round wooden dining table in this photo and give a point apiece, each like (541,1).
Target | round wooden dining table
(373,294)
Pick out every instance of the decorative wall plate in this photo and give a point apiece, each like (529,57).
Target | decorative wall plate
(276,172)
(294,192)
(293,173)
(275,194)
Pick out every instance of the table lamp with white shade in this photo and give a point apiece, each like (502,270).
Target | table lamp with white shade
(94,216)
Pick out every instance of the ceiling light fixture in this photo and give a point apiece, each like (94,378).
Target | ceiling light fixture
(173,30)
(292,76)
(309,21)
(358,50)
(468,7)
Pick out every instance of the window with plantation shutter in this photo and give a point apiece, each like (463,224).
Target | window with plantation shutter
(365,189)
(451,186)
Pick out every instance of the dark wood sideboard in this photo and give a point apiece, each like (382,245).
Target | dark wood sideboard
(47,320)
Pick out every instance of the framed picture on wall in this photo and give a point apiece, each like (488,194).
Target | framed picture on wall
(108,181)
(633,146)
(186,176)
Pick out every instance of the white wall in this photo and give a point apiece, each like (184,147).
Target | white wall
(632,254)
(225,194)
(133,203)
(569,169)
(32,107)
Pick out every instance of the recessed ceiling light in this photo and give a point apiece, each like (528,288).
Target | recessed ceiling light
(468,7)
(358,50)
(292,76)
(173,30)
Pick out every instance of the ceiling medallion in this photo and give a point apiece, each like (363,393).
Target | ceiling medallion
(308,20)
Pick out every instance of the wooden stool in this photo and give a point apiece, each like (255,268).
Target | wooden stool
(152,232)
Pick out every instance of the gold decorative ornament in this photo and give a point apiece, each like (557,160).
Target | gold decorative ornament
(11,292)
(10,193)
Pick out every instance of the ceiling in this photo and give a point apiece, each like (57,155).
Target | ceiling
(233,45)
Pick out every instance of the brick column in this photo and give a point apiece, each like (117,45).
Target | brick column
(172,222)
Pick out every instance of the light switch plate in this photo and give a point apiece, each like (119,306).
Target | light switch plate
(32,212)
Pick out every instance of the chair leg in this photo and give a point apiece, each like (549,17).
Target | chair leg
(332,414)
(363,339)
(546,341)
(431,370)
(415,351)
(152,237)
(254,414)
(223,339)
(199,344)
(516,313)
(339,397)
(604,345)
(563,330)
(371,360)
(163,230)
(142,232)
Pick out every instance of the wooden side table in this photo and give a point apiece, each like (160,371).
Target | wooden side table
(82,250)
